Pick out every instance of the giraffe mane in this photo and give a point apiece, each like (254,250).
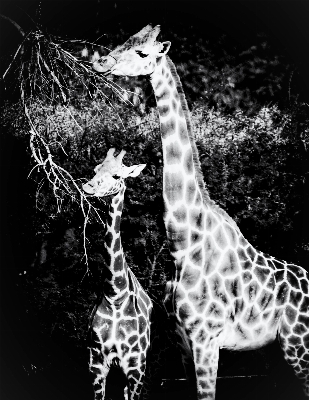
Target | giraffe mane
(196,161)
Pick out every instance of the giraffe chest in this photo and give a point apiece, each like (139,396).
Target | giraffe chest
(116,323)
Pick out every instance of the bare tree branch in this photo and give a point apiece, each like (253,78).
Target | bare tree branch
(18,27)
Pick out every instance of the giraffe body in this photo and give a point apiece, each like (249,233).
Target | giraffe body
(119,331)
(224,293)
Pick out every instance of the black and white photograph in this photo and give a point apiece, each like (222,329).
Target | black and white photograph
(154,200)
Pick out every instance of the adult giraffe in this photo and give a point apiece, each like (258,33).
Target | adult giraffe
(120,325)
(225,293)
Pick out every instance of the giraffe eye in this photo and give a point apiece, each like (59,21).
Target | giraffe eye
(141,54)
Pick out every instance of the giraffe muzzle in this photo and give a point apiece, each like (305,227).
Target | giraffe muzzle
(104,65)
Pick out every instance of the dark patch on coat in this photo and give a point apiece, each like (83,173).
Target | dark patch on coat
(168,127)
(214,310)
(251,315)
(270,264)
(124,349)
(164,110)
(261,273)
(239,306)
(199,302)
(233,287)
(293,281)
(279,276)
(295,340)
(241,254)
(304,286)
(141,324)
(278,265)
(246,276)
(196,237)
(118,263)
(282,295)
(214,326)
(165,95)
(184,312)
(216,287)
(190,191)
(247,264)
(173,186)
(143,342)
(117,245)
(197,219)
(174,106)
(251,290)
(196,256)
(194,325)
(211,256)
(304,308)
(129,309)
(261,260)
(132,339)
(291,314)
(188,162)
(251,252)
(159,83)
(190,277)
(304,320)
(120,282)
(183,132)
(299,329)
(296,270)
(266,298)
(181,214)
(242,241)
(173,153)
(117,223)
(295,298)
(108,239)
(201,336)
(229,265)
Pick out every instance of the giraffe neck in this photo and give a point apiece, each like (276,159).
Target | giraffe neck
(184,191)
(116,281)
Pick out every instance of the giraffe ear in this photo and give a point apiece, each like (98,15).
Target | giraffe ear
(133,171)
(165,46)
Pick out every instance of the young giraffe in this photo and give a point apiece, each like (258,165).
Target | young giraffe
(120,326)
(225,293)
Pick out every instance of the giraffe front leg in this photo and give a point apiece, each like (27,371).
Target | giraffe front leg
(135,377)
(98,370)
(98,367)
(206,357)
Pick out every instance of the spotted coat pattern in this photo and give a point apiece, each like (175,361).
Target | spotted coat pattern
(224,294)
(119,332)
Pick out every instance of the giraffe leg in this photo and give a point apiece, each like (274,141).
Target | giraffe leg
(294,342)
(97,366)
(206,357)
(135,377)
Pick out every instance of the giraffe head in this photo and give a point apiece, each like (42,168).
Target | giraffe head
(137,56)
(110,174)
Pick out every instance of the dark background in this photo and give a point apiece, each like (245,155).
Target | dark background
(285,23)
